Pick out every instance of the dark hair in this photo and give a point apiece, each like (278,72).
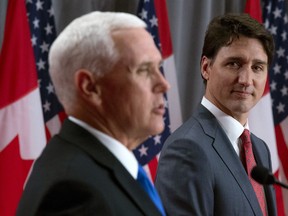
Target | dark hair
(223,29)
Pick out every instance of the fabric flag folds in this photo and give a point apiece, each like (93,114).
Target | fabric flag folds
(262,119)
(43,33)
(154,13)
(276,21)
(23,128)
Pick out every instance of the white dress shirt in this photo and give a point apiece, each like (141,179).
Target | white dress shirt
(231,126)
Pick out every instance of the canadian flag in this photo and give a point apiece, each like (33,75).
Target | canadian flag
(22,128)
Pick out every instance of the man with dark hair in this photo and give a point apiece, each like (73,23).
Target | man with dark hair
(205,165)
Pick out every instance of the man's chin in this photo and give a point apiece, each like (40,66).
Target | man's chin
(157,130)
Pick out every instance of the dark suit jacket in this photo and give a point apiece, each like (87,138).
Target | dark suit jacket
(77,155)
(199,172)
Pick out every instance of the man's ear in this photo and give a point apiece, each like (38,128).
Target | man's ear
(205,63)
(86,84)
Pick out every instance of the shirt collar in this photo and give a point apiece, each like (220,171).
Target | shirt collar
(231,126)
(124,155)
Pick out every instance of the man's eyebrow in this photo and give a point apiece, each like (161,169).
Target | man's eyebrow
(145,64)
(234,58)
(150,63)
(239,58)
(259,61)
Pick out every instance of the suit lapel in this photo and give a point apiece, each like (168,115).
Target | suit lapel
(225,150)
(132,187)
(81,138)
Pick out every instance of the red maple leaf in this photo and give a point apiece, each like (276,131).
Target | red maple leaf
(14,171)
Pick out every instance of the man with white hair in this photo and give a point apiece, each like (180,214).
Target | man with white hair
(105,69)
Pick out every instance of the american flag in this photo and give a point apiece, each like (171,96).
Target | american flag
(43,33)
(276,21)
(25,116)
(150,148)
(154,13)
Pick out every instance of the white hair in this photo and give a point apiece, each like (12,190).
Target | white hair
(86,43)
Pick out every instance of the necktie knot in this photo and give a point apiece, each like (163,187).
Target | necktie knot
(245,137)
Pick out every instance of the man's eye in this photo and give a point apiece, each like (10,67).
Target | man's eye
(234,64)
(143,70)
(258,68)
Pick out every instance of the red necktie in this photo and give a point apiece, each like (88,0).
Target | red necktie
(249,162)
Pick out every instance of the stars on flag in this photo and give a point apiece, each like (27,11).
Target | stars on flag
(277,69)
(144,14)
(48,29)
(280,52)
(277,13)
(150,148)
(284,36)
(284,91)
(50,88)
(143,150)
(36,23)
(276,21)
(41,19)
(39,5)
(34,40)
(273,85)
(154,21)
(286,75)
(51,12)
(157,139)
(41,65)
(46,106)
(280,108)
(44,47)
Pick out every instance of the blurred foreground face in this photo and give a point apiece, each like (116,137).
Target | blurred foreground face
(132,93)
(237,76)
